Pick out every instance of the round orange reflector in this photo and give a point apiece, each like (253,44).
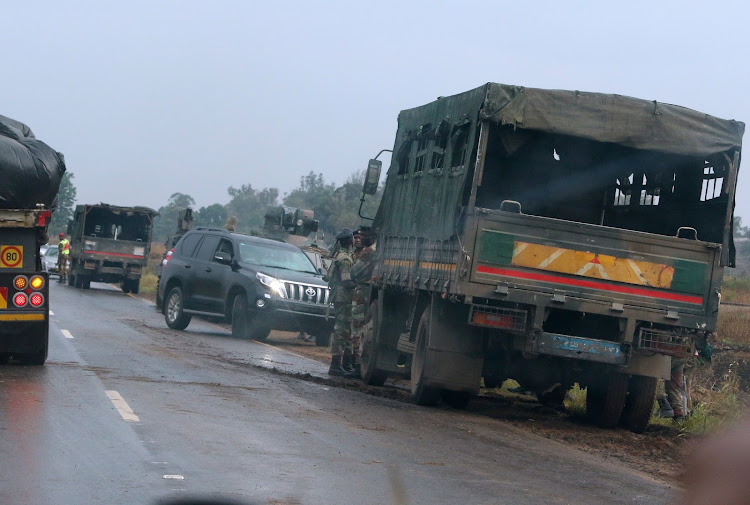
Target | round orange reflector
(20,282)
(36,299)
(37,282)
(20,300)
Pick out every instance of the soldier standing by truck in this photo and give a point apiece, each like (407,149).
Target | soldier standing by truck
(363,256)
(63,252)
(342,291)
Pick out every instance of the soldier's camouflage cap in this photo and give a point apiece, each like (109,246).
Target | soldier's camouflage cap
(344,234)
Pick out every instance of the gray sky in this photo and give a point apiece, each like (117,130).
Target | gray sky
(149,98)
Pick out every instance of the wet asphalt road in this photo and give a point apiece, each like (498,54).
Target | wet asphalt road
(127,411)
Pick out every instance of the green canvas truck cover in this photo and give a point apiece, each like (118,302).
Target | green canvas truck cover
(428,202)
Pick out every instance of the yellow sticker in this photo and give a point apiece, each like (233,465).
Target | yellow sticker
(3,298)
(11,256)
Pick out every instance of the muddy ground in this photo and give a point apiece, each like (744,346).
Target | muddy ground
(658,451)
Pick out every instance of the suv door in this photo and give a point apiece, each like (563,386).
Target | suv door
(181,266)
(200,290)
(219,277)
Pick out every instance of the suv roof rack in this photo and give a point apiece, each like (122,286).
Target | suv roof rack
(208,228)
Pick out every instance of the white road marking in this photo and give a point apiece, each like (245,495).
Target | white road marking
(175,477)
(122,407)
(51,313)
(66,334)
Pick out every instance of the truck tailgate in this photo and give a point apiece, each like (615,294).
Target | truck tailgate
(594,262)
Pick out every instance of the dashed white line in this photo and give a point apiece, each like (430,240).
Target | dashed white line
(51,313)
(175,477)
(122,407)
(66,334)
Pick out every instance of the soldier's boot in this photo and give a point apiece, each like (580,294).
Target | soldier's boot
(356,365)
(346,365)
(665,409)
(335,368)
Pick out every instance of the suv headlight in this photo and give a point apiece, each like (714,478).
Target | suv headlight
(273,284)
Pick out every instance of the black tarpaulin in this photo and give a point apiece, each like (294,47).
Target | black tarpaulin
(30,170)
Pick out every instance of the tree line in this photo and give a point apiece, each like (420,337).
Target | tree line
(335,206)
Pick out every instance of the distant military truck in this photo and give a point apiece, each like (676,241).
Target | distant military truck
(109,244)
(553,237)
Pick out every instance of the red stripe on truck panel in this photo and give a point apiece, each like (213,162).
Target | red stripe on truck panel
(113,254)
(629,290)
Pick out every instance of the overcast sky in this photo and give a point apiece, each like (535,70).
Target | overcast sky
(150,98)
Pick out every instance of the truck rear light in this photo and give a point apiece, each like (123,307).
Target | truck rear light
(20,282)
(36,299)
(20,299)
(43,218)
(37,282)
(498,317)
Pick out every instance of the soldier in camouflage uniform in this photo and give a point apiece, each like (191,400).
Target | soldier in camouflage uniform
(342,292)
(364,263)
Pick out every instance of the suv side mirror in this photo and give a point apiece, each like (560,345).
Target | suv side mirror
(223,257)
(372,177)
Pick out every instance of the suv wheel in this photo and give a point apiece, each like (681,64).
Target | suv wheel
(240,321)
(174,313)
(242,326)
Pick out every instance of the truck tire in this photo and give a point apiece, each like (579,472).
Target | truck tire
(240,319)
(71,280)
(36,359)
(85,283)
(125,286)
(639,404)
(135,286)
(174,314)
(456,399)
(371,375)
(323,338)
(604,403)
(420,393)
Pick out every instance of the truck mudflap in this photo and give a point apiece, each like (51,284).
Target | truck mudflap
(579,348)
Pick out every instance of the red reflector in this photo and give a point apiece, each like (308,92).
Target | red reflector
(20,300)
(43,218)
(37,299)
(497,320)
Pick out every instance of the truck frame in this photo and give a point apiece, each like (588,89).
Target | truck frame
(109,244)
(553,237)
(24,287)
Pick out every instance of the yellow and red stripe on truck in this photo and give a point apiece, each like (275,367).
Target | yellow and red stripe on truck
(643,278)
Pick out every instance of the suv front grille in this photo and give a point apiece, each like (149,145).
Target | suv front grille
(299,292)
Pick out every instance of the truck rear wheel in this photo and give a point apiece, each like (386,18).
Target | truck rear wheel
(420,393)
(639,403)
(605,402)
(371,375)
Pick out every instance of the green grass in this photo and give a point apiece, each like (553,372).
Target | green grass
(735,289)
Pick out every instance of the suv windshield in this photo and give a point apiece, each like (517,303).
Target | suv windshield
(275,257)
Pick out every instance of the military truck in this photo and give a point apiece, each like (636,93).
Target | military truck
(553,237)
(109,244)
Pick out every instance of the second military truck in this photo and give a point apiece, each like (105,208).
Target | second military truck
(109,244)
(553,237)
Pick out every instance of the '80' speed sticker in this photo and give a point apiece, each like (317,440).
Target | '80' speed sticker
(11,256)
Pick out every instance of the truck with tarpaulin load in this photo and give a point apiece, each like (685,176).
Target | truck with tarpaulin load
(109,243)
(31,172)
(552,237)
